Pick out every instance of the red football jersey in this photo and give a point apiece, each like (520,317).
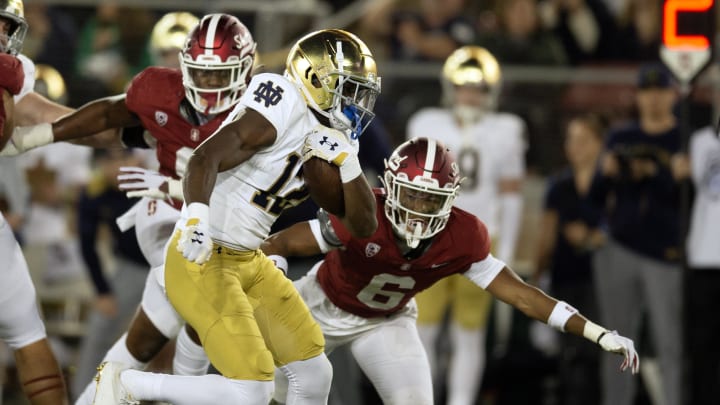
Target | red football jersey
(371,277)
(155,95)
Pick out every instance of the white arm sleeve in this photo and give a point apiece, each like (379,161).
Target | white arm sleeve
(484,272)
(317,233)
(511,208)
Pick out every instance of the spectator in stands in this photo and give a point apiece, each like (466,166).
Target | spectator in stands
(571,226)
(431,32)
(520,38)
(638,269)
(703,257)
(112,47)
(639,28)
(586,28)
(52,37)
(101,202)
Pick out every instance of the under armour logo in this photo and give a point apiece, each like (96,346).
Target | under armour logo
(198,241)
(332,145)
(268,93)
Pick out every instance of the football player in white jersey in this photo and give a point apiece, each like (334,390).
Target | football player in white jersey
(490,152)
(248,316)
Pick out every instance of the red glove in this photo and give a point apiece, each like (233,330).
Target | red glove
(12,75)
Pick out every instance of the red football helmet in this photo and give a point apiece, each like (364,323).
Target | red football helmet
(216,63)
(422,181)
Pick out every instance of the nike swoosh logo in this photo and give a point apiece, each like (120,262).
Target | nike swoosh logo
(434,266)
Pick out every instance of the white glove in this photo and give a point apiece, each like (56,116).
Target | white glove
(612,342)
(332,146)
(140,182)
(25,138)
(195,242)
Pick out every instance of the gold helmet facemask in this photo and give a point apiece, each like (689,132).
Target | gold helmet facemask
(170,33)
(12,42)
(337,75)
(471,66)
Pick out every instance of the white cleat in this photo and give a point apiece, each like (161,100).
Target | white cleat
(109,389)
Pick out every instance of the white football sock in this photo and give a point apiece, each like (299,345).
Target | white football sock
(467,364)
(209,389)
(190,358)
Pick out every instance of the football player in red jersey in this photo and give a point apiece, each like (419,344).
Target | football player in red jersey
(361,294)
(173,111)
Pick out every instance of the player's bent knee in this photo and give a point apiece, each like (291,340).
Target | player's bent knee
(310,379)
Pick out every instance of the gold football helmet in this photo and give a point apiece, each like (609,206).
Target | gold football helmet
(12,41)
(471,66)
(169,35)
(337,75)
(50,83)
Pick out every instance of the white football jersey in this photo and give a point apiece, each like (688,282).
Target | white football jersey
(29,83)
(487,152)
(247,199)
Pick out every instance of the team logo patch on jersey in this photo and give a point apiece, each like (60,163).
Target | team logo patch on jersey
(372,249)
(161,118)
(269,93)
(194,134)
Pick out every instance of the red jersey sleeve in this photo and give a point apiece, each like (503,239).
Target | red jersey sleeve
(12,75)
(469,234)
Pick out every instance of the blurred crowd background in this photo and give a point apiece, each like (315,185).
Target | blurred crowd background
(560,59)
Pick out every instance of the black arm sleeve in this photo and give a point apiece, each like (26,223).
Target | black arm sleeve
(133,137)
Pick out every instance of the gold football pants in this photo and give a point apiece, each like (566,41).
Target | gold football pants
(470,304)
(247,313)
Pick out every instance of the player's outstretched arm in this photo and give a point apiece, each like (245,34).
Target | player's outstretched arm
(94,124)
(533,302)
(296,240)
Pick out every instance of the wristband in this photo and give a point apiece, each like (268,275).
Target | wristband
(594,332)
(560,315)
(280,262)
(175,189)
(26,138)
(350,169)
(198,210)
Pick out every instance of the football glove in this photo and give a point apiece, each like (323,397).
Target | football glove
(140,182)
(612,342)
(195,242)
(332,146)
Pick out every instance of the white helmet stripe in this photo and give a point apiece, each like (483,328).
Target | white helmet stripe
(210,37)
(430,158)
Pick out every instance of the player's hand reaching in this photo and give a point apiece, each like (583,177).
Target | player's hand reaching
(612,342)
(332,146)
(140,182)
(195,242)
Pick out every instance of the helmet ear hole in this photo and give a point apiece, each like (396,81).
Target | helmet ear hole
(315,81)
